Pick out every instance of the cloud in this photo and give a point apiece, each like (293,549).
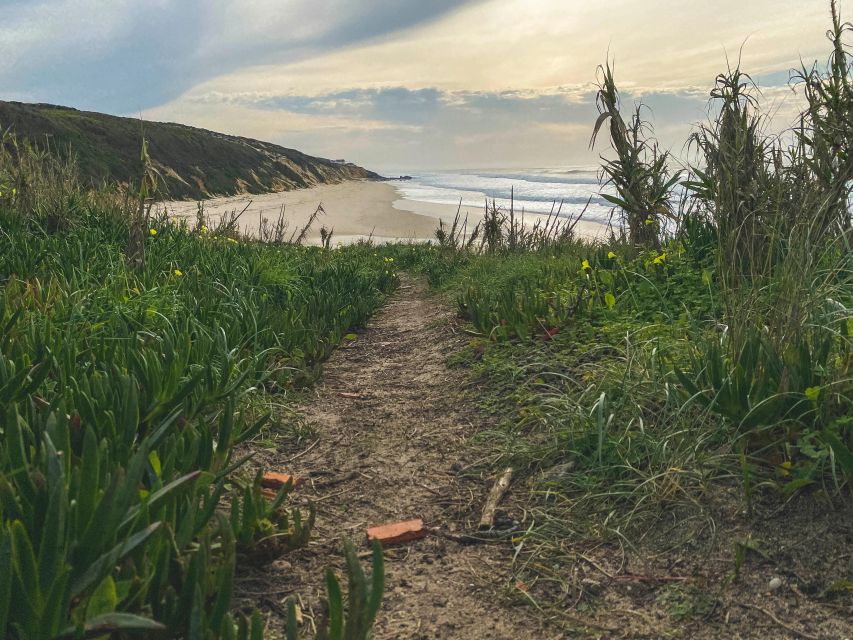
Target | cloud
(500,45)
(124,55)
(405,83)
(396,128)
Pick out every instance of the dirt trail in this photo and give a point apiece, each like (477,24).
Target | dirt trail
(394,453)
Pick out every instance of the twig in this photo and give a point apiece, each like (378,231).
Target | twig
(595,565)
(332,495)
(334,481)
(430,489)
(787,627)
(498,490)
(481,537)
(303,452)
(630,577)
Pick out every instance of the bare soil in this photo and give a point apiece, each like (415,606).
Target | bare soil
(391,437)
(391,441)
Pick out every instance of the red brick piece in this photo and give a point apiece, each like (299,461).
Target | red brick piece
(398,532)
(273,480)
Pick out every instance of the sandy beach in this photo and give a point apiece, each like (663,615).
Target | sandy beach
(353,210)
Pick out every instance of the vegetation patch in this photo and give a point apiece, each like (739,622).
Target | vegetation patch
(678,395)
(136,357)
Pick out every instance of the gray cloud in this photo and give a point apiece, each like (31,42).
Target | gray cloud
(438,128)
(123,56)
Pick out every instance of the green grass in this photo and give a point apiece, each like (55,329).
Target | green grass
(704,350)
(637,381)
(124,392)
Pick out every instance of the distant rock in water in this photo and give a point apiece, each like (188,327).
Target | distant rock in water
(194,163)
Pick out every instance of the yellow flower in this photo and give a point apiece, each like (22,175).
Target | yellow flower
(660,259)
(649,221)
(178,273)
(152,232)
(203,229)
(585,265)
(232,241)
(611,255)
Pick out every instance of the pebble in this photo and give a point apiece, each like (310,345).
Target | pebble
(774,583)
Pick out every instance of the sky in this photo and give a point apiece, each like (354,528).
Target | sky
(402,85)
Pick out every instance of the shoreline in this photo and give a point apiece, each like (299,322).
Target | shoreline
(354,210)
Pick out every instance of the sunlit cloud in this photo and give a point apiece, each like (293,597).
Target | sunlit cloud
(406,83)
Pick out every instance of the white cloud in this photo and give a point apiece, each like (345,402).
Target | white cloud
(403,81)
(516,44)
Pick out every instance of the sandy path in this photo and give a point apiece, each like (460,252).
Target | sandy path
(392,454)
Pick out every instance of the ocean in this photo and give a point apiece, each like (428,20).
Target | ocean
(534,191)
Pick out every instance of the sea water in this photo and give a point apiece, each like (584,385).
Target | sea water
(535,191)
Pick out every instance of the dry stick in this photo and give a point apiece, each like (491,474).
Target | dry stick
(308,224)
(498,490)
(303,452)
(793,630)
(235,219)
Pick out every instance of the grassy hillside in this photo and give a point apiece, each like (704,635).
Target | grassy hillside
(194,163)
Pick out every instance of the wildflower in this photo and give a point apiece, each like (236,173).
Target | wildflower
(611,255)
(660,259)
(232,240)
(178,273)
(649,221)
(152,232)
(585,265)
(203,229)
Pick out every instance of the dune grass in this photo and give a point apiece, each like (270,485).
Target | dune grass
(135,357)
(706,345)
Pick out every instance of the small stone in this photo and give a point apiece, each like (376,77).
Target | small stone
(282,565)
(774,583)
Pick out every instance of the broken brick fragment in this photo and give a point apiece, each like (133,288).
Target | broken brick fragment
(398,532)
(274,480)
